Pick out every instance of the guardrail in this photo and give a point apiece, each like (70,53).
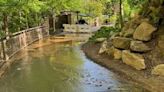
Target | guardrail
(11,44)
(77,28)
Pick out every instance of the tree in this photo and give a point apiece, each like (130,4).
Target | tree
(21,14)
(121,18)
(17,12)
(94,8)
(54,7)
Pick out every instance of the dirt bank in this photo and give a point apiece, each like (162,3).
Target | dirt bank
(150,82)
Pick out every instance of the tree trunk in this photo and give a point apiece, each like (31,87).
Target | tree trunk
(54,21)
(20,21)
(5,24)
(121,18)
(27,25)
(37,19)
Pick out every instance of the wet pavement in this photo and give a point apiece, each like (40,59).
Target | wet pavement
(61,67)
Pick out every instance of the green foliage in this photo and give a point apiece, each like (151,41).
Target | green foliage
(155,14)
(94,8)
(23,14)
(129,9)
(104,32)
(2,34)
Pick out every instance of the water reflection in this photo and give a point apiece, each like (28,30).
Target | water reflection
(61,68)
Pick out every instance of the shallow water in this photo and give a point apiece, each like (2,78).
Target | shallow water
(61,67)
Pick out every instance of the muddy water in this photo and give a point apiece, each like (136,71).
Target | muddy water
(61,67)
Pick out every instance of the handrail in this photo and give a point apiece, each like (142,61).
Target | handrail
(20,32)
(13,43)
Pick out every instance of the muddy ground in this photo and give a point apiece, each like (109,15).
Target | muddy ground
(142,78)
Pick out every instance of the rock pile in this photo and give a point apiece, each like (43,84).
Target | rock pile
(140,44)
(131,45)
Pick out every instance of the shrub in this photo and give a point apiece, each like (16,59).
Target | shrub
(103,32)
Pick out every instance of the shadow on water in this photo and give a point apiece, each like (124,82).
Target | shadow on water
(61,68)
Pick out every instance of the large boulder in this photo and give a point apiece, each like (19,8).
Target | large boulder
(113,35)
(139,46)
(135,60)
(137,20)
(117,54)
(158,70)
(110,51)
(100,40)
(161,42)
(144,32)
(109,42)
(121,42)
(103,47)
(128,33)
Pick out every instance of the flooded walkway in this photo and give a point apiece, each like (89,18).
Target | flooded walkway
(61,67)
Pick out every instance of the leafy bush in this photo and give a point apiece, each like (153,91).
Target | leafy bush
(103,32)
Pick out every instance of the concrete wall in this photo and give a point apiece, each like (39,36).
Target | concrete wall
(15,42)
(11,44)
(77,28)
